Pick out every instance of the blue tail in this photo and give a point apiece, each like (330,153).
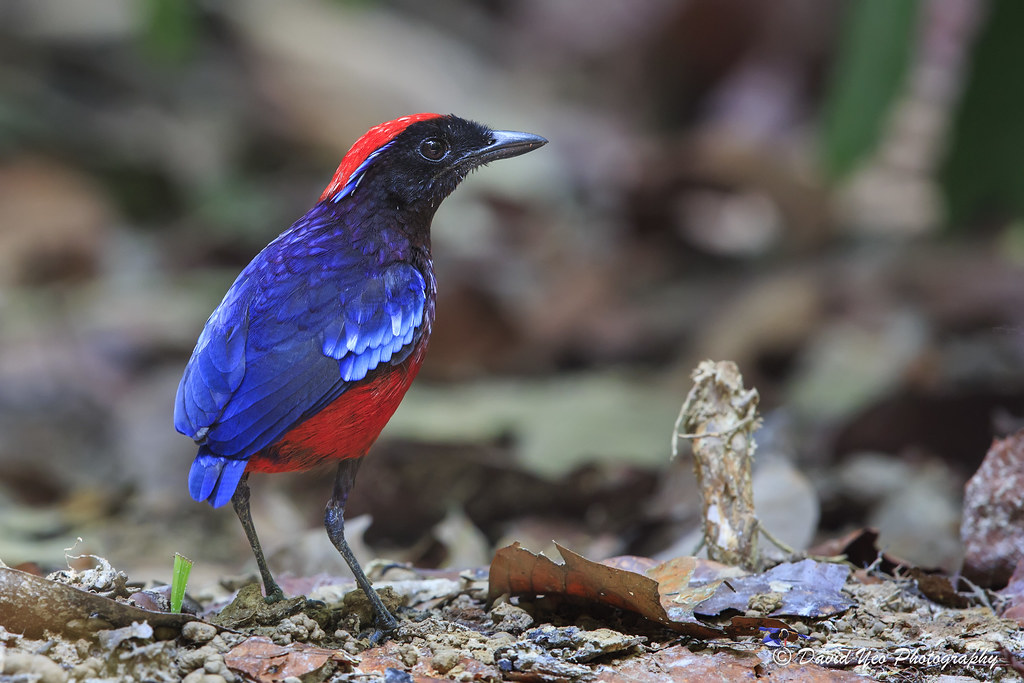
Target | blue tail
(214,478)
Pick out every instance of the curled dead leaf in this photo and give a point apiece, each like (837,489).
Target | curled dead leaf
(517,571)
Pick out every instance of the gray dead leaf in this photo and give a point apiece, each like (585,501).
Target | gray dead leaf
(806,589)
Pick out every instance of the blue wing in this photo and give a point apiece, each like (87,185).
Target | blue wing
(298,327)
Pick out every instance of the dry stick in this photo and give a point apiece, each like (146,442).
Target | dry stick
(718,395)
(719,416)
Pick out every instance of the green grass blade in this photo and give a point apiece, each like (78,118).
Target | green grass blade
(179,581)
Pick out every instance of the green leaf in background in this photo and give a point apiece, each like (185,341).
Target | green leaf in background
(871,64)
(983,174)
(170,30)
(179,581)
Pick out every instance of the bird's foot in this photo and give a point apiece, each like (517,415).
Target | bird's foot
(384,626)
(382,630)
(274,594)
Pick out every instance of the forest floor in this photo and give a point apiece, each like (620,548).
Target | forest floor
(93,625)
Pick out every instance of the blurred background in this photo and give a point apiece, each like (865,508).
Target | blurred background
(828,193)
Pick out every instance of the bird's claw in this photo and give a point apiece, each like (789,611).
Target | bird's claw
(379,634)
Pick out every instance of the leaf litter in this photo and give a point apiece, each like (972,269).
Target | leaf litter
(535,619)
(856,613)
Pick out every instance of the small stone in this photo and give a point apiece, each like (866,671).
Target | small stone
(502,638)
(507,617)
(201,676)
(214,665)
(90,668)
(764,603)
(355,603)
(83,647)
(408,655)
(444,661)
(33,666)
(219,644)
(189,660)
(198,631)
(79,672)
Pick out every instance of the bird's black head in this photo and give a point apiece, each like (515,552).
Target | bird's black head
(425,162)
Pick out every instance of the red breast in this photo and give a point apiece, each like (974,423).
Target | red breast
(348,426)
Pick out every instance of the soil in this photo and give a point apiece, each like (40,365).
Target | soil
(448,632)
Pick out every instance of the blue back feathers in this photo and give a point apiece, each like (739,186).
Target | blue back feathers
(312,314)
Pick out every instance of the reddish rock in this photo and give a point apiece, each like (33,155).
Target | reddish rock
(992,529)
(1014,592)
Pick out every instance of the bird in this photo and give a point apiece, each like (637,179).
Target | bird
(315,343)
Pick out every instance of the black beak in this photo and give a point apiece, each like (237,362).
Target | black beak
(504,144)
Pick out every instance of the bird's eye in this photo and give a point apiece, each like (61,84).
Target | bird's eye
(433,149)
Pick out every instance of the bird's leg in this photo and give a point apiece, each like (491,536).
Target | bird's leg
(240,501)
(334,521)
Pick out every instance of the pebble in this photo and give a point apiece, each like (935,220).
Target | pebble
(189,660)
(502,638)
(35,667)
(90,668)
(198,631)
(215,665)
(444,661)
(221,645)
(510,618)
(200,676)
(408,655)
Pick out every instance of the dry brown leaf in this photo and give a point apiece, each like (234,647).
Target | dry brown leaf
(264,661)
(517,571)
(673,579)
(31,605)
(940,589)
